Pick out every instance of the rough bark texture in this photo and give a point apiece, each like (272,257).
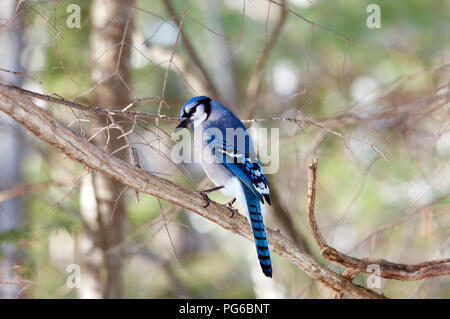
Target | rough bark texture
(47,128)
(102,211)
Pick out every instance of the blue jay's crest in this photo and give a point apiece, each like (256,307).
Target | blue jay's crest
(190,106)
(194,112)
(230,162)
(196,100)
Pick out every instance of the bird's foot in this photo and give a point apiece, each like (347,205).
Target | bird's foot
(230,206)
(205,193)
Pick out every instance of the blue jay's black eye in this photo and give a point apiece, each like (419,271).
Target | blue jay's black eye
(190,112)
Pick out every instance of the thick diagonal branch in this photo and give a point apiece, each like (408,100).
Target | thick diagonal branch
(47,128)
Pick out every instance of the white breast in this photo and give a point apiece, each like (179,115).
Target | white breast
(216,172)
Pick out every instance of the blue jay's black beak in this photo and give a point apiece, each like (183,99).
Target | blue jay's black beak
(183,124)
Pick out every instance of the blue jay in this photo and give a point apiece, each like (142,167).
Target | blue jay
(230,163)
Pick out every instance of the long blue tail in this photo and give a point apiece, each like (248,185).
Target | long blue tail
(256,220)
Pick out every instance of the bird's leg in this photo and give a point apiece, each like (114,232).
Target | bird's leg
(231,202)
(230,206)
(205,193)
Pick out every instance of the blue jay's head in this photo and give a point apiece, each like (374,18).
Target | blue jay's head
(194,112)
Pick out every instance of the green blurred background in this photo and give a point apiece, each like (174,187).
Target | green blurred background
(382,187)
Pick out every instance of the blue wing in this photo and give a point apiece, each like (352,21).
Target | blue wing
(247,168)
(243,164)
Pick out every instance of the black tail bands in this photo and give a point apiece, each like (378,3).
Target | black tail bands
(257,223)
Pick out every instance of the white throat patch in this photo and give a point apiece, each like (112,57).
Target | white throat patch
(199,115)
(199,120)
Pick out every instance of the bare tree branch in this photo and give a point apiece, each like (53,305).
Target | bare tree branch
(6,194)
(389,269)
(254,83)
(98,110)
(48,129)
(191,51)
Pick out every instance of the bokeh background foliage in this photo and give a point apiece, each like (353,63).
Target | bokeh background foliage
(382,186)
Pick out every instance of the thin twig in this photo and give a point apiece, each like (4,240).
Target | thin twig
(191,50)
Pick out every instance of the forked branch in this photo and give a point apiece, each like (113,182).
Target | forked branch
(388,269)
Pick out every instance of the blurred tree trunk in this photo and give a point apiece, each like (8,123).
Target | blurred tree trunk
(102,209)
(12,147)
